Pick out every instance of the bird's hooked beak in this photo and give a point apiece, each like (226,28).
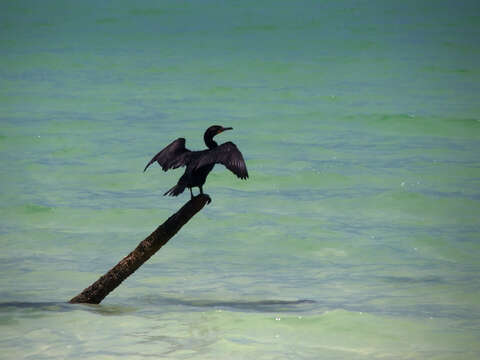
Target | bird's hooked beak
(224,129)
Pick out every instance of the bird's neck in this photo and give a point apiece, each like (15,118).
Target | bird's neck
(210,143)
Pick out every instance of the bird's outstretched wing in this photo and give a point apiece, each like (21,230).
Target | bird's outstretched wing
(226,154)
(172,156)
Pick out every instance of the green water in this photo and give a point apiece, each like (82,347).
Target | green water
(357,235)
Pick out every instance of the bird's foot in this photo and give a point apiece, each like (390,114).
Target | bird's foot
(208,198)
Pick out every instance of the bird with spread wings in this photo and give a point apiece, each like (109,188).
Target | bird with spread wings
(199,163)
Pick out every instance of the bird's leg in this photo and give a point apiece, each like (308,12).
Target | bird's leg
(191,194)
(201,193)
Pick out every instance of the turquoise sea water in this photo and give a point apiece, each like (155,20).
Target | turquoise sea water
(357,235)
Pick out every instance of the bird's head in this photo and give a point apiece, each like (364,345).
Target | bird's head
(211,132)
(215,130)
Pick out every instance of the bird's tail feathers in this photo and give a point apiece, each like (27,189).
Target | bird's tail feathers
(175,191)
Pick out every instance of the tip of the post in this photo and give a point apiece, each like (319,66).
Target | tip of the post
(203,197)
(197,202)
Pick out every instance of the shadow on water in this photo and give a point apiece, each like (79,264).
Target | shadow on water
(240,305)
(45,307)
(41,306)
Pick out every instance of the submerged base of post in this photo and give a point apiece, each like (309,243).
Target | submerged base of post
(96,292)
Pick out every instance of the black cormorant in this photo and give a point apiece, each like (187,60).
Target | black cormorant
(200,163)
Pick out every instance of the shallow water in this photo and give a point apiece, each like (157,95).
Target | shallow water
(357,235)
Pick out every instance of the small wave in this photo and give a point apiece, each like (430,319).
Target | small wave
(268,305)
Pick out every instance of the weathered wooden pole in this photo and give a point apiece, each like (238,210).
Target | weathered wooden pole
(96,292)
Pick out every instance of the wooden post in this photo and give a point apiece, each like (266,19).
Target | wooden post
(96,292)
